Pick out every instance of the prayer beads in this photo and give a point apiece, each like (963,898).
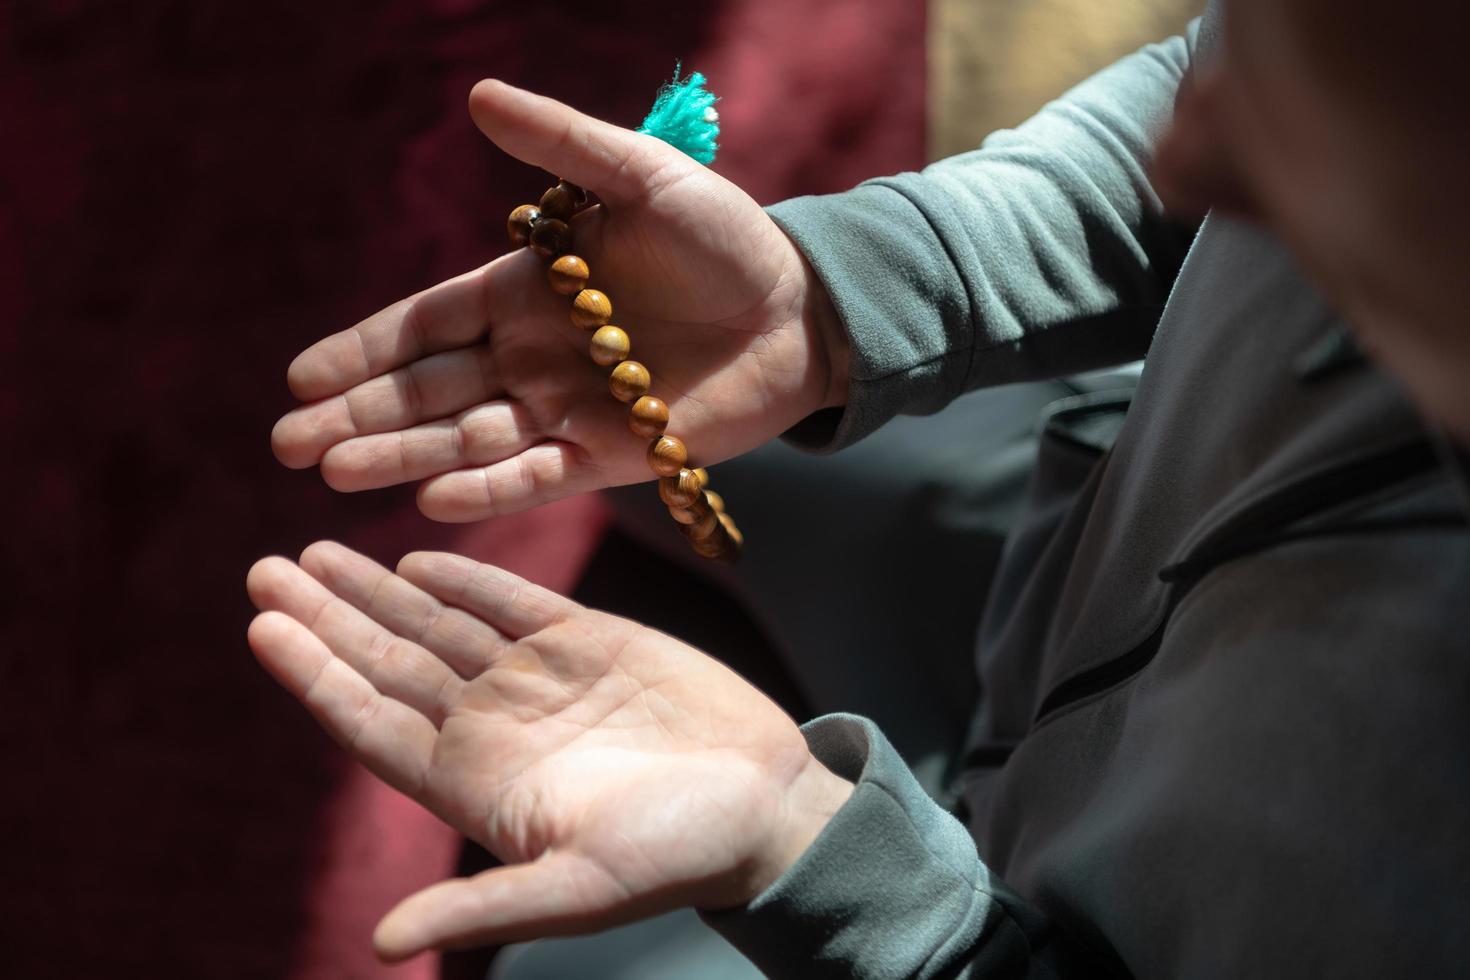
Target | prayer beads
(698,512)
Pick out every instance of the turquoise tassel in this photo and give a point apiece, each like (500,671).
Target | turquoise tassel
(684,116)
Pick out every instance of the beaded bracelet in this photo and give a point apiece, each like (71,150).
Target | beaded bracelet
(699,511)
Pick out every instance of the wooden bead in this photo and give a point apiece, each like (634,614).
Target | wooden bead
(715,546)
(725,545)
(728,523)
(667,455)
(591,309)
(578,194)
(609,345)
(715,501)
(690,514)
(648,417)
(550,238)
(520,224)
(629,381)
(558,202)
(703,475)
(679,491)
(704,528)
(568,275)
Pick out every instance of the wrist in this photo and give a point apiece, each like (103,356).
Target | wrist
(822,334)
(810,803)
(827,336)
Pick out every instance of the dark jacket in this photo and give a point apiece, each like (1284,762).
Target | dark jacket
(1225,728)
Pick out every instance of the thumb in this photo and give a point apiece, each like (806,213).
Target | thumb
(613,162)
(560,893)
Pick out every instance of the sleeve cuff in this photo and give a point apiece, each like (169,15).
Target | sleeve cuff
(892,887)
(909,338)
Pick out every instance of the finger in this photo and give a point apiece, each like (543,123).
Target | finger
(388,737)
(560,893)
(466,643)
(453,314)
(430,388)
(478,437)
(618,164)
(504,600)
(397,667)
(547,471)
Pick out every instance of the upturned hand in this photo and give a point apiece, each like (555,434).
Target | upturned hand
(617,772)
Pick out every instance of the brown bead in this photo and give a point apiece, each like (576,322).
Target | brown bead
(591,309)
(728,523)
(629,381)
(725,545)
(714,546)
(558,202)
(704,528)
(703,475)
(714,500)
(690,514)
(578,194)
(667,455)
(550,238)
(648,417)
(679,491)
(520,223)
(568,275)
(609,345)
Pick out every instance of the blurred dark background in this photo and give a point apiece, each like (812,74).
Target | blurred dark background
(191,193)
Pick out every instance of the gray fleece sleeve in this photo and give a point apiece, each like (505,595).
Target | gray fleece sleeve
(891,888)
(1042,253)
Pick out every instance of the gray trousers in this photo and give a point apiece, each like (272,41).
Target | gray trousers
(868,569)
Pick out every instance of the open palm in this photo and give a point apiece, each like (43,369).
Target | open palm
(617,772)
(481,387)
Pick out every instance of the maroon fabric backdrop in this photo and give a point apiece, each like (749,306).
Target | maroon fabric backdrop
(190,193)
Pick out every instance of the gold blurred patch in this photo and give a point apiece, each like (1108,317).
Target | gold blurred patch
(993,63)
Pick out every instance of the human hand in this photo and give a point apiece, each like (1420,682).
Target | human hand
(482,388)
(617,772)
